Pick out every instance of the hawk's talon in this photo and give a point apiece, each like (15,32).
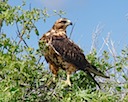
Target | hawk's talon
(67,82)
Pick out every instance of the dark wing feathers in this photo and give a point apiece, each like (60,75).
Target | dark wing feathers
(69,51)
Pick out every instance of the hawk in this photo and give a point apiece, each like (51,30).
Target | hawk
(60,52)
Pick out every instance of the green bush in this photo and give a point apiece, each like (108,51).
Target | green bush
(24,77)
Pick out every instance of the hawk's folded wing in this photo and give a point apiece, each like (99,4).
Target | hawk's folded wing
(69,51)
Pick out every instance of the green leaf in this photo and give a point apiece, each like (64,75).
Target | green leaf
(118,88)
(36,31)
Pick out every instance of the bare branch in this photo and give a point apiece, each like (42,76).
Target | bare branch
(110,45)
(20,36)
(113,49)
(107,38)
(95,36)
(73,28)
(30,8)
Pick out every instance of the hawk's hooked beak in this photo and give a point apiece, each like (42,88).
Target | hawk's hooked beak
(69,22)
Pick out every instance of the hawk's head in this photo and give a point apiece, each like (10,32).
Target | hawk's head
(61,24)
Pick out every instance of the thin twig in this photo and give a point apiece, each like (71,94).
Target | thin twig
(111,49)
(73,28)
(21,36)
(107,38)
(95,36)
(1,24)
(30,7)
(39,60)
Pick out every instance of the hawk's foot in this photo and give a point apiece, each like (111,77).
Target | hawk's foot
(66,82)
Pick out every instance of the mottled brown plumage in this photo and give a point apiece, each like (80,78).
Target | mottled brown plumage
(61,52)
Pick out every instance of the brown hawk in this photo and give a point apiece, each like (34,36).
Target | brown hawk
(60,52)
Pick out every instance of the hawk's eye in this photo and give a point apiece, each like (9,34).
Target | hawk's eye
(63,21)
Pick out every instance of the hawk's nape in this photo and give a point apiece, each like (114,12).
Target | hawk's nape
(63,53)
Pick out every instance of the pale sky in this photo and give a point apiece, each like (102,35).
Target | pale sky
(110,15)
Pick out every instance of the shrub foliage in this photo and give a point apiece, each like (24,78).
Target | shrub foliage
(24,76)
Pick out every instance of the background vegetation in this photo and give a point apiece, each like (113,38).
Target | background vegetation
(23,76)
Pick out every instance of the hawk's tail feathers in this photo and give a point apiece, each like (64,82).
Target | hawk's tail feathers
(95,71)
(89,74)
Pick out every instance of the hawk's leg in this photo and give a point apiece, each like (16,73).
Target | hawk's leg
(70,69)
(54,71)
(54,77)
(68,82)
